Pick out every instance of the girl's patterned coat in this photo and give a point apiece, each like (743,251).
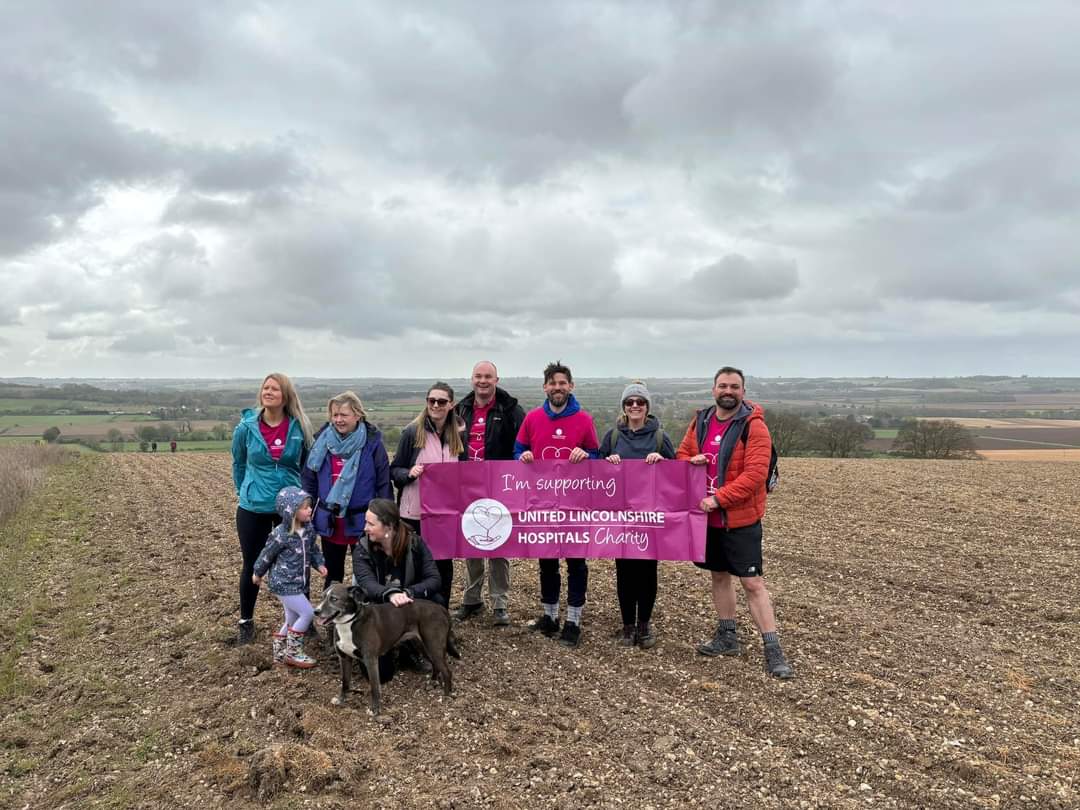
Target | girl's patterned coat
(288,555)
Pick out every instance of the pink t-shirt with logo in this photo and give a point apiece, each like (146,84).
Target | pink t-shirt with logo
(711,448)
(275,437)
(553,439)
(476,431)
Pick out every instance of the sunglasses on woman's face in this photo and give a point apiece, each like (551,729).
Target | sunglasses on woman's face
(635,403)
(437,402)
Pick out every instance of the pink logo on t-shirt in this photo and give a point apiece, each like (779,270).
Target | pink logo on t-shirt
(476,432)
(713,436)
(555,453)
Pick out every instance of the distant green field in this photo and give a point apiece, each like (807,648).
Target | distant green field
(16,404)
(8,420)
(212,446)
(885,433)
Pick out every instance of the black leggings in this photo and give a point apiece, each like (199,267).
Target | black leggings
(635,581)
(446,567)
(252,528)
(334,554)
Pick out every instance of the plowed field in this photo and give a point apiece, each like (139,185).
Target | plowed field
(931,610)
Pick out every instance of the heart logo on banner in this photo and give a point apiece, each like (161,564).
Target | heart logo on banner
(486,524)
(487,516)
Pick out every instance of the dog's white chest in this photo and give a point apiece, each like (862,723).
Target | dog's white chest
(344,638)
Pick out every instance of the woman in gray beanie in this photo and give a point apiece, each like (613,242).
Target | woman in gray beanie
(637,435)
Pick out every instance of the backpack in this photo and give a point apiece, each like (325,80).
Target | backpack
(772,478)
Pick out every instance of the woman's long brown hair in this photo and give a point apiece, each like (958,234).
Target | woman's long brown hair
(388,514)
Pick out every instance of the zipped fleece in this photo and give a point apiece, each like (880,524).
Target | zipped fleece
(504,421)
(257,477)
(743,465)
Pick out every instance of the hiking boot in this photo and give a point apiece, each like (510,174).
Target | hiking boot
(571,634)
(546,625)
(245,633)
(410,657)
(279,648)
(500,617)
(645,636)
(628,636)
(294,652)
(467,611)
(775,663)
(723,642)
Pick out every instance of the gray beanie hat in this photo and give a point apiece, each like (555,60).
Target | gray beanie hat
(636,389)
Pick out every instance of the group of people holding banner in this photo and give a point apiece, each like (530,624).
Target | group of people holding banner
(349,476)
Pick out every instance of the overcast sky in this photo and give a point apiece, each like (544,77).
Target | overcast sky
(639,188)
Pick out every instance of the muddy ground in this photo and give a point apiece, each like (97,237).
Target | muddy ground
(931,610)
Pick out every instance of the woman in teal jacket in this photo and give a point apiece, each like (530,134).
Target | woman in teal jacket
(269,449)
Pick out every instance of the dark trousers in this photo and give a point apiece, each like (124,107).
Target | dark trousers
(252,529)
(577,581)
(334,554)
(635,581)
(446,567)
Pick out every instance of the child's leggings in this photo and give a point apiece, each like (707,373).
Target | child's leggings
(298,612)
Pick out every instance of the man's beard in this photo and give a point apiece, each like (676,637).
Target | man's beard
(726,402)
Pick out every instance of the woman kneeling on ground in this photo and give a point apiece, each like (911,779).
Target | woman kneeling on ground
(269,448)
(393,564)
(637,435)
(346,468)
(434,436)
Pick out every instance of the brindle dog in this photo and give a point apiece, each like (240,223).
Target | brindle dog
(363,632)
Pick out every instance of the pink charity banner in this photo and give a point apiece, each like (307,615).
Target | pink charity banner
(631,510)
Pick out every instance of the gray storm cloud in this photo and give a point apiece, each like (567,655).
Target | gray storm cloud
(232,185)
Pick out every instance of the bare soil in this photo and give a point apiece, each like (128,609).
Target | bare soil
(931,610)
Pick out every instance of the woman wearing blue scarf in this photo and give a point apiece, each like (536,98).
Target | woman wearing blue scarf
(346,468)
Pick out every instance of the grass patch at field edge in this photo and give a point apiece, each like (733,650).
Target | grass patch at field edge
(26,542)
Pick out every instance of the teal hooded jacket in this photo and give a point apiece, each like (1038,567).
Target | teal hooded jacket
(257,477)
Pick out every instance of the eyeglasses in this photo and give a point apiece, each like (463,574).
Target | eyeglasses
(635,403)
(437,402)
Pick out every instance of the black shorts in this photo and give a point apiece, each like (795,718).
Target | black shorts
(736,551)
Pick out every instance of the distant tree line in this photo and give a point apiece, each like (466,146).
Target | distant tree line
(843,437)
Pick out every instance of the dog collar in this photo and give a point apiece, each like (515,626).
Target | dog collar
(344,619)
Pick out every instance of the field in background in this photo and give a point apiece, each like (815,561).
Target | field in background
(932,671)
(1003,414)
(1031,455)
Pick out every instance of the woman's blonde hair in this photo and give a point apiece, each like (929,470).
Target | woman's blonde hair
(290,401)
(451,432)
(346,398)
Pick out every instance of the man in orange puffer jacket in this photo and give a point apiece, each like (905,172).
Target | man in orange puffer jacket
(733,443)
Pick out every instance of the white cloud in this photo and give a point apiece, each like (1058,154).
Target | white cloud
(397,189)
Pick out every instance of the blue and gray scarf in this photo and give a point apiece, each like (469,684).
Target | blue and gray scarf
(348,447)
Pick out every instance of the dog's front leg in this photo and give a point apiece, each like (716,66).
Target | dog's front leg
(345,662)
(371,662)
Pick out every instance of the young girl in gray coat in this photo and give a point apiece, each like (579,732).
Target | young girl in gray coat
(289,553)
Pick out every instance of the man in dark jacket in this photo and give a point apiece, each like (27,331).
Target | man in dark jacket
(492,418)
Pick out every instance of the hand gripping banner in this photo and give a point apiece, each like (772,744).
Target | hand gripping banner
(631,510)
